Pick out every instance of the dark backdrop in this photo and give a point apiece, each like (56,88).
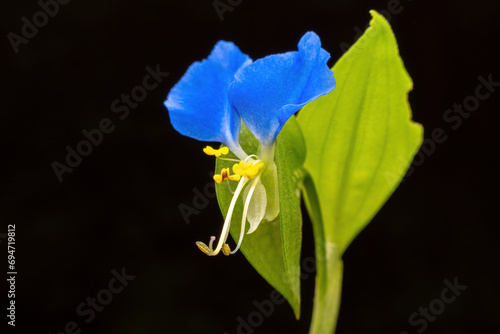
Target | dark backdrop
(119,207)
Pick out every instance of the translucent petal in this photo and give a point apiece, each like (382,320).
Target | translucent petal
(257,207)
(270,181)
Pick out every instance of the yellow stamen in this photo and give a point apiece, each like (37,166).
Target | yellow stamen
(243,172)
(204,248)
(209,150)
(225,174)
(248,169)
(226,250)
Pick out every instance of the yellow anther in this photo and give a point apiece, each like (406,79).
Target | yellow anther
(224,174)
(204,248)
(226,250)
(218,178)
(248,169)
(209,150)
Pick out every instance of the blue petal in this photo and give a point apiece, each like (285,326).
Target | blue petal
(269,91)
(198,104)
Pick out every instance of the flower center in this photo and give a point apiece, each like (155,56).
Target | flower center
(245,170)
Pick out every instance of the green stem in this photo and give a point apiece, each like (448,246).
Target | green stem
(329,269)
(327,300)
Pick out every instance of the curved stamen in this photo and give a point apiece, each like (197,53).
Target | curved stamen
(242,169)
(245,211)
(204,248)
(227,223)
(251,156)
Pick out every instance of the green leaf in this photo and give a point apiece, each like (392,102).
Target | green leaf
(360,138)
(360,141)
(274,248)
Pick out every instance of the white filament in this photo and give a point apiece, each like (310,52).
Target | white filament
(227,223)
(245,211)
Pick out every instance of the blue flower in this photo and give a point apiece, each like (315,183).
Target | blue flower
(273,88)
(198,104)
(216,94)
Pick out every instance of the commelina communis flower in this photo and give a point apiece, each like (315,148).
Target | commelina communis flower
(215,95)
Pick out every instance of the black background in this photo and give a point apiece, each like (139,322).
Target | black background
(119,207)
